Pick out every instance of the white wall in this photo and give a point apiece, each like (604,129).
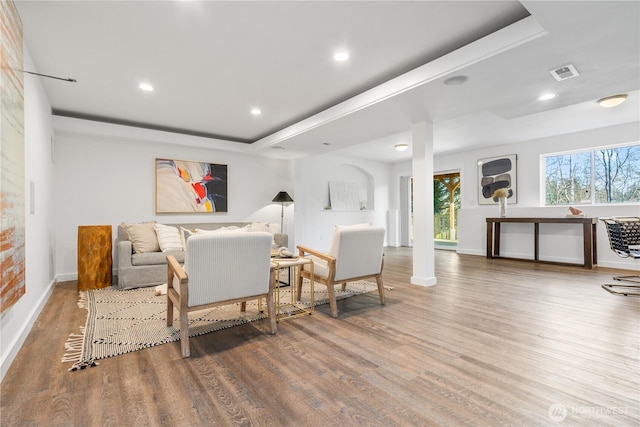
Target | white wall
(107,180)
(314,224)
(398,171)
(16,322)
(557,242)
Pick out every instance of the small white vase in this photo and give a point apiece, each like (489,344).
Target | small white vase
(502,205)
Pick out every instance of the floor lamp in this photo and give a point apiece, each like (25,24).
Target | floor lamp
(282,198)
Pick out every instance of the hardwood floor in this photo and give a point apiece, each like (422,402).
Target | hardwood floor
(495,342)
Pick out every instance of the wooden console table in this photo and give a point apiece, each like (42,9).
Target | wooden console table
(589,226)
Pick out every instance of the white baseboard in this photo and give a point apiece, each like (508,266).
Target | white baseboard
(18,341)
(623,264)
(470,251)
(68,277)
(423,281)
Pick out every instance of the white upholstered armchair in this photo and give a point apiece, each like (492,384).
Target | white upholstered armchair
(220,268)
(355,254)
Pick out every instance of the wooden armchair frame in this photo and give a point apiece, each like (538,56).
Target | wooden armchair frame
(174,269)
(330,282)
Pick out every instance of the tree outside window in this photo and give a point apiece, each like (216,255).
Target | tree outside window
(617,175)
(446,203)
(568,179)
(610,175)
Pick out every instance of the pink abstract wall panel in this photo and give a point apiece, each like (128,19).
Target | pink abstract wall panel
(12,189)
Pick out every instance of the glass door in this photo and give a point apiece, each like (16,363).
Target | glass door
(446,202)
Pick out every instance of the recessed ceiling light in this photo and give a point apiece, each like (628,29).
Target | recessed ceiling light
(612,101)
(256,111)
(341,55)
(456,80)
(146,86)
(401,147)
(547,96)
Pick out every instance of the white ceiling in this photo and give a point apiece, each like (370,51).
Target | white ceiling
(211,62)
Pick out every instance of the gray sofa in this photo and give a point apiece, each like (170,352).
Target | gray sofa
(136,270)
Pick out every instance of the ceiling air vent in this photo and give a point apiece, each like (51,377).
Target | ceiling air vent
(564,73)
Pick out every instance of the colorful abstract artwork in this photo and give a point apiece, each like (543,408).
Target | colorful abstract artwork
(190,187)
(495,173)
(12,182)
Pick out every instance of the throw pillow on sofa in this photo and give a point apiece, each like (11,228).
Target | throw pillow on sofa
(168,238)
(219,229)
(269,228)
(259,226)
(143,237)
(185,233)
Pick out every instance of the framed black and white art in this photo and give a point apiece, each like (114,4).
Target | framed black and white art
(495,173)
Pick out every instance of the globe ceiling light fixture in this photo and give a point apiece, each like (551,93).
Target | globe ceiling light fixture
(612,101)
(401,146)
(282,197)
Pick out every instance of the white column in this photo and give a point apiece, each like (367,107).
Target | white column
(423,245)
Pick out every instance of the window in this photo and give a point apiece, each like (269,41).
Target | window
(607,175)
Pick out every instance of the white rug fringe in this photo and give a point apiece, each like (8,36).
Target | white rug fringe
(73,348)
(82,299)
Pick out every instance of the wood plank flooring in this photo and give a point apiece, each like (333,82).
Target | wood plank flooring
(494,343)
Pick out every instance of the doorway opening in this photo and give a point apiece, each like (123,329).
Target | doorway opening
(446,203)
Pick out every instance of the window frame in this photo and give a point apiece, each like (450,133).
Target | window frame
(592,188)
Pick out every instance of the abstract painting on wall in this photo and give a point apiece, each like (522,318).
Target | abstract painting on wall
(12,191)
(495,173)
(190,187)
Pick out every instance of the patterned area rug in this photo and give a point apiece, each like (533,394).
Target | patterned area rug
(120,322)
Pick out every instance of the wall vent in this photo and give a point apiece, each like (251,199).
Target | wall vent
(565,72)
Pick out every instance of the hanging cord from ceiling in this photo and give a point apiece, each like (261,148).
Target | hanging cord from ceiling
(48,76)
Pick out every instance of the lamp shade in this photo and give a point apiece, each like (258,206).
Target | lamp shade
(282,197)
